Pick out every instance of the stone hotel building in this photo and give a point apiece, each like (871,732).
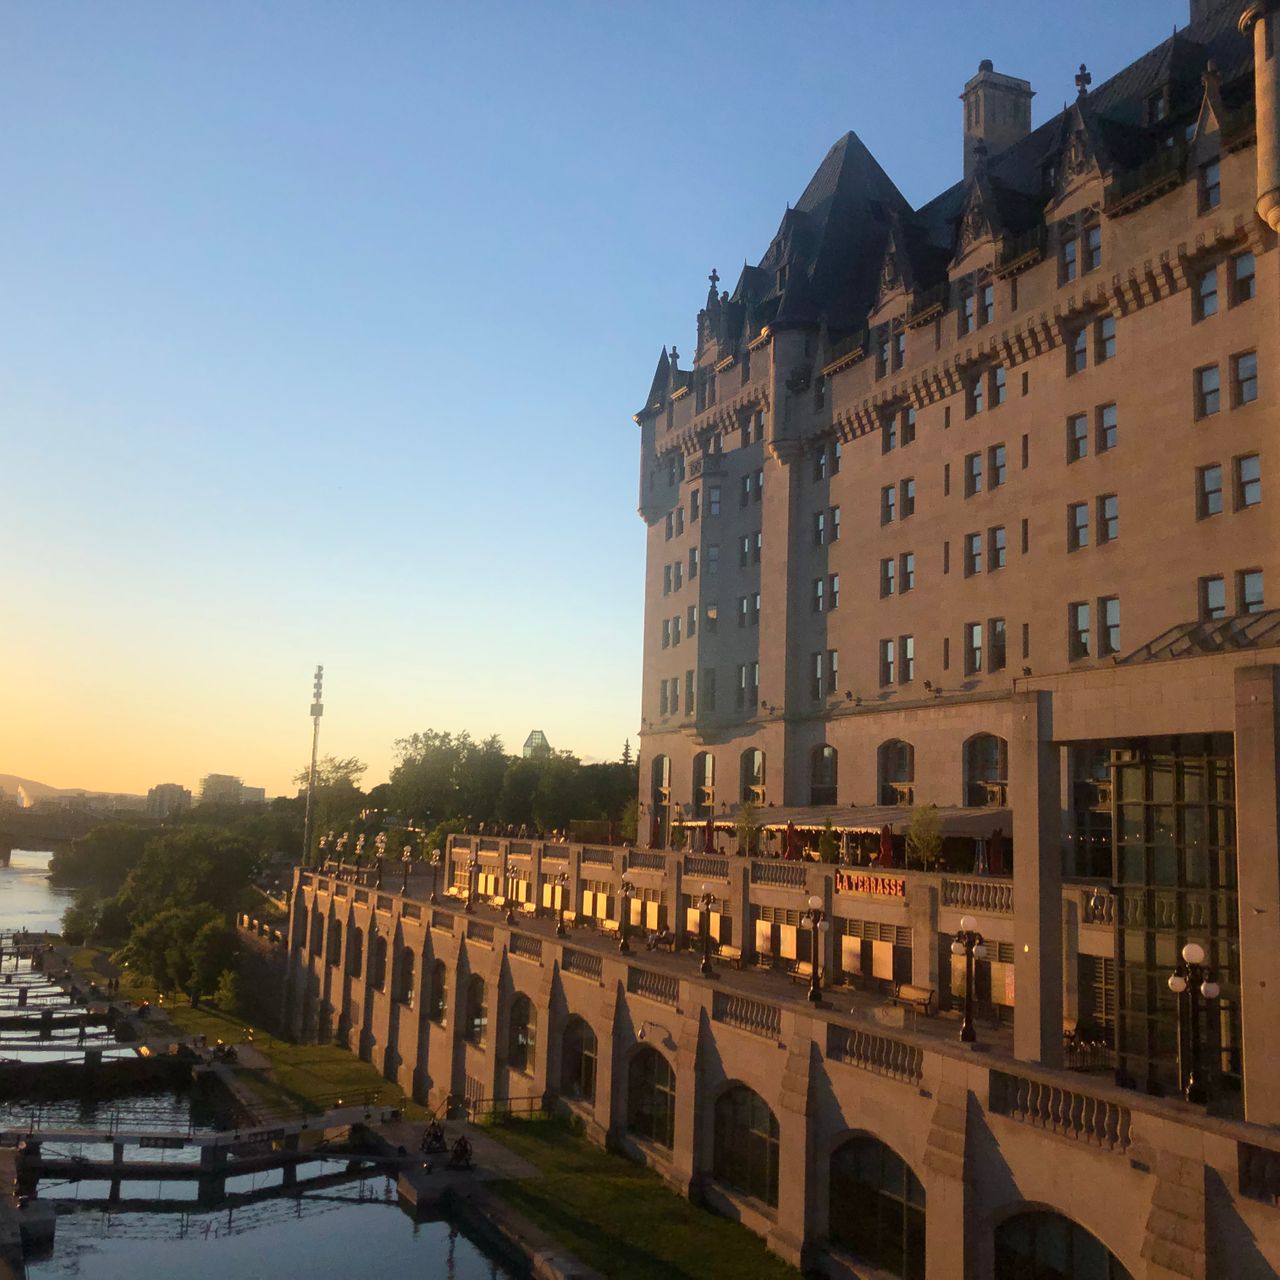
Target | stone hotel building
(970,505)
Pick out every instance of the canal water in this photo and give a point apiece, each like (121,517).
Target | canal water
(338,1228)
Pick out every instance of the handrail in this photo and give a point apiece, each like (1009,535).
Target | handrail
(1071,1113)
(756,1016)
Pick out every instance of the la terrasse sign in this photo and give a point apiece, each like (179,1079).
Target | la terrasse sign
(875,886)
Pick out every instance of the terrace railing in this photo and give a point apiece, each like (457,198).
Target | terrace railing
(662,987)
(881,1054)
(756,1016)
(1071,1113)
(994,897)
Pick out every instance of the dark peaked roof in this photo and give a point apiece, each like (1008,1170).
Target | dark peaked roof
(661,377)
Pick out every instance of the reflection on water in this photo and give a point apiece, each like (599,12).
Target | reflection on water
(326,1233)
(27,899)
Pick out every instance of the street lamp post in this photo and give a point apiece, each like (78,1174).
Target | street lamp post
(705,903)
(436,859)
(970,944)
(406,856)
(317,710)
(1192,979)
(380,843)
(626,889)
(560,881)
(471,864)
(816,919)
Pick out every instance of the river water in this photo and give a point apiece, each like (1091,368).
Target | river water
(329,1232)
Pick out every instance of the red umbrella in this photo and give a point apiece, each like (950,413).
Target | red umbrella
(995,852)
(654,841)
(886,845)
(709,840)
(789,844)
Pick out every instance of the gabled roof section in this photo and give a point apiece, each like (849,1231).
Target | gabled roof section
(658,387)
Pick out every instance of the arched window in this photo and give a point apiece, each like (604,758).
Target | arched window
(438,993)
(986,771)
(746,1148)
(378,967)
(660,801)
(335,942)
(897,769)
(877,1207)
(823,770)
(317,933)
(404,979)
(651,1098)
(751,770)
(355,951)
(578,1061)
(522,1035)
(704,784)
(1046,1246)
(477,1024)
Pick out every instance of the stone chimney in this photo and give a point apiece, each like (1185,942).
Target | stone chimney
(997,113)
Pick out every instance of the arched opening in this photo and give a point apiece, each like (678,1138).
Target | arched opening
(335,942)
(823,775)
(378,964)
(1042,1245)
(651,1098)
(522,1034)
(746,1144)
(896,761)
(477,1022)
(578,1061)
(317,933)
(877,1207)
(404,977)
(751,776)
(660,802)
(355,951)
(438,993)
(986,771)
(704,784)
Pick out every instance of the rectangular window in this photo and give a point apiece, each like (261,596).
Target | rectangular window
(972,648)
(695,506)
(996,466)
(972,554)
(740,687)
(977,396)
(837,452)
(666,633)
(677,576)
(1077,437)
(1107,422)
(679,521)
(819,528)
(835,524)
(1206,295)
(1108,518)
(972,475)
(1026,640)
(1208,391)
(882,355)
(1078,352)
(1244,284)
(820,465)
(833,590)
(759,484)
(675,695)
(744,550)
(666,579)
(693,563)
(907,659)
(1068,266)
(887,576)
(908,426)
(1026,536)
(886,662)
(968,312)
(833,670)
(1210,186)
(996,548)
(946,479)
(819,594)
(688,692)
(1093,248)
(711,617)
(907,571)
(888,503)
(815,676)
(908,494)
(1245,377)
(1078,631)
(742,612)
(745,496)
(662,699)
(712,565)
(999,389)
(1108,626)
(1249,590)
(713,500)
(691,621)
(755,609)
(1248,481)
(1106,339)
(1077,526)
(670,526)
(1209,491)
(946,557)
(708,702)
(757,546)
(1213,598)
(675,630)
(889,434)
(946,654)
(899,349)
(995,644)
(986,304)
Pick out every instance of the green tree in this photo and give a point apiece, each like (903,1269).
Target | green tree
(215,949)
(190,865)
(924,837)
(828,844)
(80,919)
(629,825)
(519,786)
(104,857)
(161,945)
(227,994)
(748,827)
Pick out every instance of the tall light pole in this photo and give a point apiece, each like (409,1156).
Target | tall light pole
(1192,980)
(317,710)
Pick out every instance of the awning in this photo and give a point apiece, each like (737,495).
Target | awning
(954,820)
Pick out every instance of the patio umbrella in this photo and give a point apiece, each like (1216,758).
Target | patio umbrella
(886,845)
(709,841)
(995,852)
(789,845)
(654,841)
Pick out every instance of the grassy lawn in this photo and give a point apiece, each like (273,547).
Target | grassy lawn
(307,1076)
(622,1219)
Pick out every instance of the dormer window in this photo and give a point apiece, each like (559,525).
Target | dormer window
(782,276)
(1158,106)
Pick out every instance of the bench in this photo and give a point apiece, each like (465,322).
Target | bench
(529,908)
(666,941)
(609,926)
(800,971)
(919,998)
(732,954)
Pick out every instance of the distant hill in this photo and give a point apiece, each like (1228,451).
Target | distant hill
(10,782)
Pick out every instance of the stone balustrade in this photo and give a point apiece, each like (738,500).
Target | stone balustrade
(757,1016)
(884,1055)
(994,897)
(1068,1112)
(662,987)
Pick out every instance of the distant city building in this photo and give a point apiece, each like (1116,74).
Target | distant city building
(536,746)
(222,788)
(167,799)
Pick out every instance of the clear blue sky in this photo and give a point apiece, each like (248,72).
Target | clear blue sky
(323,325)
